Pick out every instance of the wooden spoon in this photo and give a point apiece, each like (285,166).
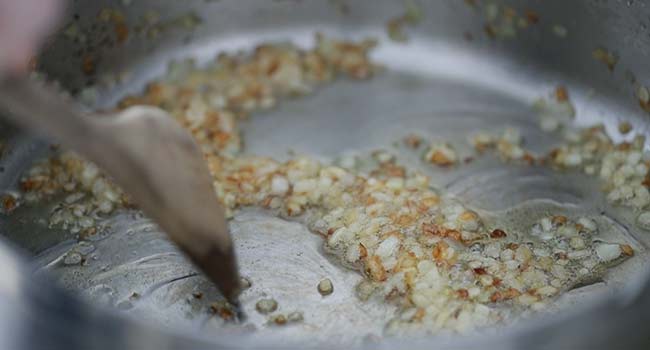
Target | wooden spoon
(151,157)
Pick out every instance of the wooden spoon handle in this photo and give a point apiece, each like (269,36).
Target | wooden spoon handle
(152,158)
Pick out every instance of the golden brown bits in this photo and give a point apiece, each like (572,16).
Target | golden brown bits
(496,297)
(370,200)
(435,230)
(627,250)
(561,94)
(482,147)
(359,71)
(431,229)
(404,220)
(413,141)
(363,252)
(87,233)
(559,220)
(279,320)
(453,234)
(605,56)
(529,158)
(643,95)
(624,127)
(512,246)
(266,202)
(623,146)
(197,295)
(419,315)
(498,233)
(406,261)
(393,233)
(480,271)
(561,256)
(510,293)
(9,203)
(439,251)
(468,216)
(441,159)
(375,269)
(393,170)
(273,67)
(430,201)
(223,310)
(554,153)
(88,64)
(392,294)
(462,293)
(155,93)
(317,67)
(121,32)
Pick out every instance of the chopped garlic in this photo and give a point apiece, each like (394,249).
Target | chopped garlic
(266,306)
(325,287)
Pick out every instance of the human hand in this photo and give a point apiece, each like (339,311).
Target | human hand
(23,26)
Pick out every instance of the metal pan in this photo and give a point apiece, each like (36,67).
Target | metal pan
(453,76)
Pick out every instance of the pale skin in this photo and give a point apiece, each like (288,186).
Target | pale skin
(24,24)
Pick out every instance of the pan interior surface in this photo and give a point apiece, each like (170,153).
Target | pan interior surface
(435,89)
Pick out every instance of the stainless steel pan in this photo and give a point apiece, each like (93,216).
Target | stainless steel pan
(449,78)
